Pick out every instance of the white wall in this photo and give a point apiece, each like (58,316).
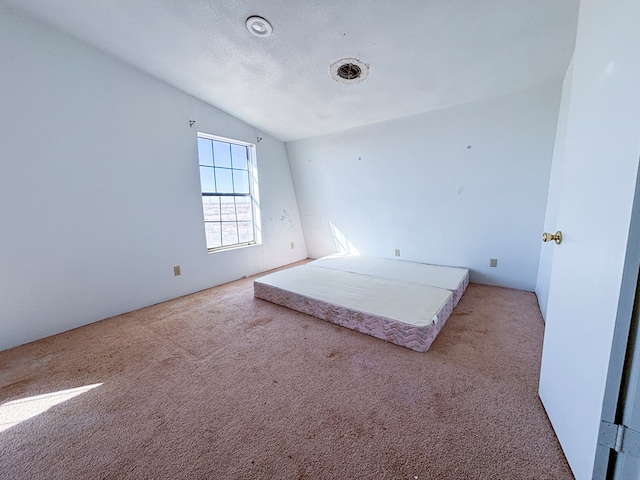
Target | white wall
(587,291)
(99,188)
(412,184)
(555,187)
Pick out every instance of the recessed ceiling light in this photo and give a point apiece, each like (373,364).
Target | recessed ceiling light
(259,26)
(349,70)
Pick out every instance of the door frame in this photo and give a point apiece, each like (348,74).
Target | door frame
(611,404)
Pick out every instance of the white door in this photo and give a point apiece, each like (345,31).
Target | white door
(601,152)
(583,306)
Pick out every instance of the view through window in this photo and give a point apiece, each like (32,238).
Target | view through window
(226,182)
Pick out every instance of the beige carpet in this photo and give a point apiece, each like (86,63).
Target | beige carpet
(217,385)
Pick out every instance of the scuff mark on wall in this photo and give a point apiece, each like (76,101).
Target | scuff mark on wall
(285,219)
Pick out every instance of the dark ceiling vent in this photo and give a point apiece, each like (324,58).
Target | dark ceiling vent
(349,70)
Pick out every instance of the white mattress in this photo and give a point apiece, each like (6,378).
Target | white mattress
(394,300)
(450,278)
(408,302)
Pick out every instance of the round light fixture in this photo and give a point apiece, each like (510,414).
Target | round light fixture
(259,26)
(349,70)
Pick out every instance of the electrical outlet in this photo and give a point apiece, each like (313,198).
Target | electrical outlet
(493,262)
(397,252)
(176,270)
(292,245)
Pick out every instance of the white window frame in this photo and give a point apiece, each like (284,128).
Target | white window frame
(253,193)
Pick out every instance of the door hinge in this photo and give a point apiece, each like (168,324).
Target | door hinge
(619,438)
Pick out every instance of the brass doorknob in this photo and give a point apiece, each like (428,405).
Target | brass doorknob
(547,237)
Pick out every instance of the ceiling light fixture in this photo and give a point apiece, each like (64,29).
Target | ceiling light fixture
(349,70)
(259,26)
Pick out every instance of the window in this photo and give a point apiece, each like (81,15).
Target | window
(228,184)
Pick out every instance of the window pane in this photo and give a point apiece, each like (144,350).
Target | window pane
(213,233)
(243,209)
(240,181)
(206,180)
(228,209)
(222,154)
(229,233)
(239,155)
(211,208)
(205,154)
(224,180)
(245,231)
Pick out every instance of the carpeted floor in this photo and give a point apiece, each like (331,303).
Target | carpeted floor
(218,385)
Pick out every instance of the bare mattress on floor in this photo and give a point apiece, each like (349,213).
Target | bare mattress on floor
(450,278)
(409,313)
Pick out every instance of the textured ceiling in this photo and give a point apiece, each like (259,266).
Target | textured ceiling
(423,55)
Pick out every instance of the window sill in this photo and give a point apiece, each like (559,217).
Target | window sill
(232,247)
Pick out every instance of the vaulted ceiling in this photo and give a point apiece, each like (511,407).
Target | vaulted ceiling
(423,54)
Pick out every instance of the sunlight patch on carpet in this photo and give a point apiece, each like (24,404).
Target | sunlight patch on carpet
(16,411)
